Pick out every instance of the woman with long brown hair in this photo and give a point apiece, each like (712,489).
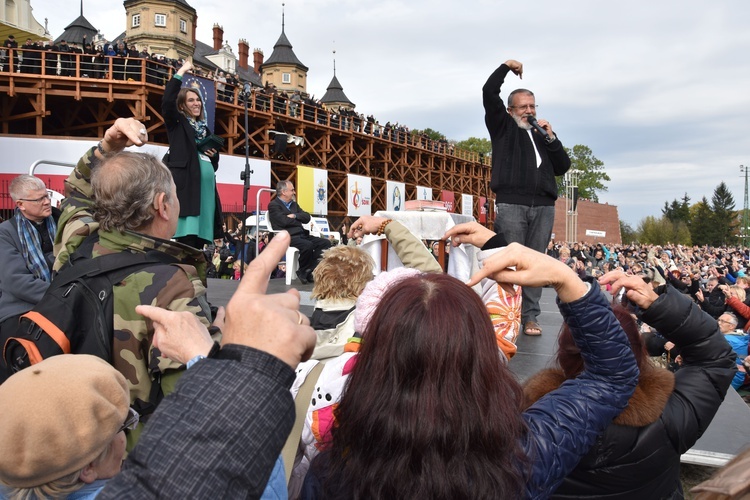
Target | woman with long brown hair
(431,411)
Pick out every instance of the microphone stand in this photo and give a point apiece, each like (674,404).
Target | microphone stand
(245,176)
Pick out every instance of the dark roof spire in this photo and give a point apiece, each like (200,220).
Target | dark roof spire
(282,50)
(335,92)
(81,8)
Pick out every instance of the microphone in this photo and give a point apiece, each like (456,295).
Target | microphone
(532,121)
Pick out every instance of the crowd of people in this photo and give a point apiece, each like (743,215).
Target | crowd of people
(715,278)
(415,360)
(124,61)
(119,61)
(402,382)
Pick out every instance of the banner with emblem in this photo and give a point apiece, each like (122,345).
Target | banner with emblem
(312,190)
(358,195)
(395,193)
(424,193)
(467,204)
(207,90)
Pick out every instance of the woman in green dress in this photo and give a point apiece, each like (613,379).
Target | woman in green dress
(192,169)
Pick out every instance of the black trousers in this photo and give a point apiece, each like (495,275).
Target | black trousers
(310,249)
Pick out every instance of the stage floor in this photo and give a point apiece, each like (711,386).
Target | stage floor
(723,439)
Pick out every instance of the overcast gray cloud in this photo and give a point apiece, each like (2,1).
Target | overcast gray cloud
(657,89)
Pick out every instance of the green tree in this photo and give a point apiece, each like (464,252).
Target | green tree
(432,134)
(662,231)
(702,228)
(592,177)
(724,216)
(627,233)
(678,210)
(476,145)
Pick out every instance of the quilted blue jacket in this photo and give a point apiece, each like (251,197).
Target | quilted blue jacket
(565,423)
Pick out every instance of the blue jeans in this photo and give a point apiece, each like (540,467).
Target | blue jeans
(531,227)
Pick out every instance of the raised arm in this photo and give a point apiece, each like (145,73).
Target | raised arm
(566,422)
(219,434)
(708,362)
(495,114)
(410,249)
(75,222)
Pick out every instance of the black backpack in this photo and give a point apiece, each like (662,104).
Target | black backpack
(76,315)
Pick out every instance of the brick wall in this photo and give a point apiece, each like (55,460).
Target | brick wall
(591,216)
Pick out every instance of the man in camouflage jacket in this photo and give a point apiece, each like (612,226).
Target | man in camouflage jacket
(132,204)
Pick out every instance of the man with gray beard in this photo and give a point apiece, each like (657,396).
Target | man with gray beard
(524,166)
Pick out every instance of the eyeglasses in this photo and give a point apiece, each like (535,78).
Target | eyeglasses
(529,107)
(131,422)
(44,198)
(724,321)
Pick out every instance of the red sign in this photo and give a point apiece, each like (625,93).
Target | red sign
(449,198)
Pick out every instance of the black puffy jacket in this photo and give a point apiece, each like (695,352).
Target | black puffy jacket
(639,457)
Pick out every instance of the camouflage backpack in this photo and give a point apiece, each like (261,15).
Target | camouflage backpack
(76,314)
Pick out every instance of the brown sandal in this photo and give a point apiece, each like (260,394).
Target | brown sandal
(532,329)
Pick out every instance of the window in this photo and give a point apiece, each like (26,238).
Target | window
(160,20)
(183,26)
(286,78)
(136,20)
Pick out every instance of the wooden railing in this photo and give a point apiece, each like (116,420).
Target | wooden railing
(76,66)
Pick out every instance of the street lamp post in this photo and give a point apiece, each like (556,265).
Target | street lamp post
(571,205)
(745,218)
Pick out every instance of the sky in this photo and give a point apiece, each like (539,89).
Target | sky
(659,90)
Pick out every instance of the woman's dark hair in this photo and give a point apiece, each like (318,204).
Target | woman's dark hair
(430,410)
(569,356)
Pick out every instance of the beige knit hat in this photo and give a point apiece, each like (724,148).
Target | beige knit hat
(57,416)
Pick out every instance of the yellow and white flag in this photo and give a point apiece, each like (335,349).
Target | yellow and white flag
(312,190)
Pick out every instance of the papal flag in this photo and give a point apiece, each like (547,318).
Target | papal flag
(467,204)
(358,195)
(395,193)
(312,190)
(424,193)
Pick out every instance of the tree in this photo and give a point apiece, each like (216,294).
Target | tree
(627,233)
(662,231)
(702,229)
(724,216)
(478,145)
(678,210)
(592,177)
(432,134)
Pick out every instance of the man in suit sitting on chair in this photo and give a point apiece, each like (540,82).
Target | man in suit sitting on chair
(284,213)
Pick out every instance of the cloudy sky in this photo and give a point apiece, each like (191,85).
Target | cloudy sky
(659,90)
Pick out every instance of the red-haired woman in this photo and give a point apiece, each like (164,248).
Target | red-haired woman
(638,456)
(431,411)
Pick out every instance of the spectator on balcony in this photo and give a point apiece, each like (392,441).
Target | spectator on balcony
(31,58)
(10,45)
(66,58)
